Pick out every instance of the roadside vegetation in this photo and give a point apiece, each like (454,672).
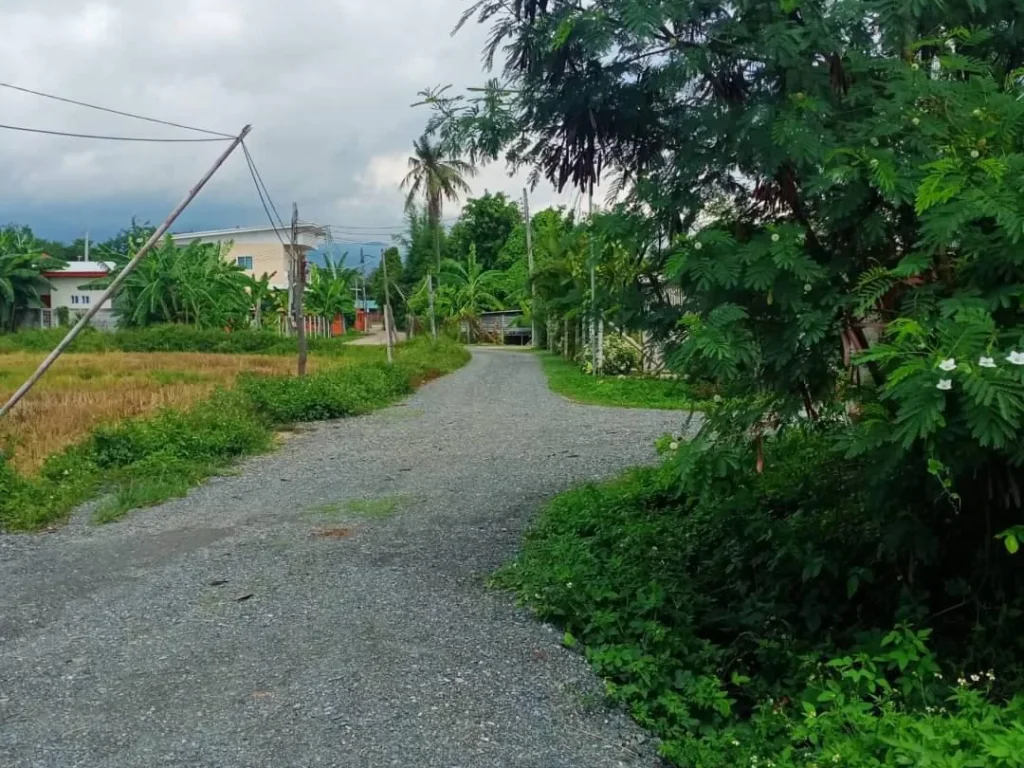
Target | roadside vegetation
(816,208)
(201,412)
(566,378)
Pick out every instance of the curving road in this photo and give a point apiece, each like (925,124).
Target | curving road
(226,629)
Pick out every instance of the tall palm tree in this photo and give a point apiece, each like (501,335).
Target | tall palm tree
(22,284)
(435,178)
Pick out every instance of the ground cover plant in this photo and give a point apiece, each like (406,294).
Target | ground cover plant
(143,460)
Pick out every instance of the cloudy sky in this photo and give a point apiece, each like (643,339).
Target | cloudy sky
(326,84)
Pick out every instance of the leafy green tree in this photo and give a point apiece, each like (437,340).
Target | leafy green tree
(435,178)
(823,209)
(486,222)
(330,290)
(22,262)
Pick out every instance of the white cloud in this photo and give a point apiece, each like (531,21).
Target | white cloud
(326,85)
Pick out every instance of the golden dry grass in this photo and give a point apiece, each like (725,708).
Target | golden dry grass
(82,391)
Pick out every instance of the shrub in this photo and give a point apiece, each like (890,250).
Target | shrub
(619,356)
(330,394)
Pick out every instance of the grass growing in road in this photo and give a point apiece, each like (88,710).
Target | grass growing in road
(566,379)
(145,460)
(378,509)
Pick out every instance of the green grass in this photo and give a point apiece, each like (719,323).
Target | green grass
(145,461)
(566,379)
(169,338)
(378,509)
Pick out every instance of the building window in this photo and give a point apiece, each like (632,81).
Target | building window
(85,299)
(245,262)
(74,299)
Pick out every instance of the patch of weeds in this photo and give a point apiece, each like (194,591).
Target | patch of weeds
(152,481)
(331,508)
(378,509)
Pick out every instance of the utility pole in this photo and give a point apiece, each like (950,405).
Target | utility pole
(529,257)
(430,298)
(123,275)
(298,262)
(387,309)
(593,285)
(86,257)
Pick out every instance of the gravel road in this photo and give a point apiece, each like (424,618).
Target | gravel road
(269,620)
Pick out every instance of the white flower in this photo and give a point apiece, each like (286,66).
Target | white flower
(673,446)
(807,287)
(938,675)
(1017,358)
(975,154)
(735,743)
(568,585)
(874,142)
(961,682)
(698,245)
(948,365)
(717,398)
(775,237)
(916,121)
(873,163)
(945,384)
(975,678)
(977,113)
(987,362)
(990,675)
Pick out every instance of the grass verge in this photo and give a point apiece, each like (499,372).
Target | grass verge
(566,379)
(144,461)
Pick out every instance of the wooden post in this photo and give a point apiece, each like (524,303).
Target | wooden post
(529,257)
(122,276)
(298,263)
(387,309)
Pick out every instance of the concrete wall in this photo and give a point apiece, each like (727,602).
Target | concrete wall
(68,292)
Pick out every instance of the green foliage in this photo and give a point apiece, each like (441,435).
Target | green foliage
(187,285)
(486,223)
(167,338)
(329,290)
(22,262)
(618,356)
(144,461)
(740,619)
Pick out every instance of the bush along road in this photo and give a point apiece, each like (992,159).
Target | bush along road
(326,604)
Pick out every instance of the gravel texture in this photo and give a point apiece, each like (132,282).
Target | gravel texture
(226,629)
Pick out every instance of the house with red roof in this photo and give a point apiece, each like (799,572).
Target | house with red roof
(70,289)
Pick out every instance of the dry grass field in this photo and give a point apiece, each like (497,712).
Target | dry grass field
(84,390)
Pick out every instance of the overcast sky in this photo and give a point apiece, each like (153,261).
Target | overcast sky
(326,84)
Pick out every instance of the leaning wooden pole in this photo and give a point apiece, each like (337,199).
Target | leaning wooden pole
(122,276)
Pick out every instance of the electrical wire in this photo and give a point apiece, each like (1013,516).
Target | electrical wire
(108,138)
(259,178)
(114,111)
(259,191)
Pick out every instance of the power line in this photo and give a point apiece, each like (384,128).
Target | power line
(260,183)
(106,138)
(256,181)
(114,111)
